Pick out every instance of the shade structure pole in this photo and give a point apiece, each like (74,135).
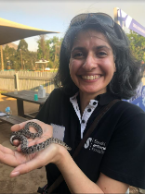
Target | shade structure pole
(2,61)
(116,15)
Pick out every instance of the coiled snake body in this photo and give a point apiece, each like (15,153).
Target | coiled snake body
(25,133)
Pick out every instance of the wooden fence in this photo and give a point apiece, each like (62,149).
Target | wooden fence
(26,80)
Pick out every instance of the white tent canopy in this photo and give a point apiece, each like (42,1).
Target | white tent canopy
(12,31)
(42,61)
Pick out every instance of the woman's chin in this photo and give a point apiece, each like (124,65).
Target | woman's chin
(92,92)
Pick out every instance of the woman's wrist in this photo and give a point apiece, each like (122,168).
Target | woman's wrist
(62,153)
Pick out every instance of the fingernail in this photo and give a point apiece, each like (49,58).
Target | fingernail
(15,174)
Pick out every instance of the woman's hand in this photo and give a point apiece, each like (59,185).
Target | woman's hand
(47,132)
(27,163)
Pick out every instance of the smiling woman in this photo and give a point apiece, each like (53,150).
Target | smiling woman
(96,70)
(127,74)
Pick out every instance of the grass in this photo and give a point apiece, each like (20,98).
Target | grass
(53,70)
(2,91)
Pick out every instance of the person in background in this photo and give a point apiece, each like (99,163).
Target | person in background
(96,67)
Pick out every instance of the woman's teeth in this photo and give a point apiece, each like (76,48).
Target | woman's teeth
(91,77)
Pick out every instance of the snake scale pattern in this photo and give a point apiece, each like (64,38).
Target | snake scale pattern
(25,133)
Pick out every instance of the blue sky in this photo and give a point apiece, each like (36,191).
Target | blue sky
(55,15)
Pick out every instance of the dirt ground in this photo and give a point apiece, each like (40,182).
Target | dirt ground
(27,183)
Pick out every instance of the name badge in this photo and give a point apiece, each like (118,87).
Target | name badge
(58,131)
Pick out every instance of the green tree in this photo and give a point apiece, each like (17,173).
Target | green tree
(23,52)
(23,45)
(137,44)
(21,58)
(9,57)
(49,50)
(55,45)
(32,58)
(43,48)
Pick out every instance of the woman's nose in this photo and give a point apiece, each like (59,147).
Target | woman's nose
(90,62)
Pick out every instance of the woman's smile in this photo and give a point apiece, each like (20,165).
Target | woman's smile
(90,77)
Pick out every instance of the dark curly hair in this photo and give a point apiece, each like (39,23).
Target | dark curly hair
(128,70)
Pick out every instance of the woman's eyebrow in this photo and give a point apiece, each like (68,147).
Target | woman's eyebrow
(96,47)
(77,48)
(103,46)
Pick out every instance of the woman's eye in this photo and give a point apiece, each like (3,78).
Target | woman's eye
(102,54)
(78,55)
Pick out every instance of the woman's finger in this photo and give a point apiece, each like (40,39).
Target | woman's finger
(8,159)
(6,150)
(19,126)
(42,158)
(26,167)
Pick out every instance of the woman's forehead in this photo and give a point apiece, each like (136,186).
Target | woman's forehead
(93,35)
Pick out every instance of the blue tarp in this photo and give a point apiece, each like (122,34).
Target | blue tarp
(139,98)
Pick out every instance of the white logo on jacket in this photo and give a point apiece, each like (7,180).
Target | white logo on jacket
(86,145)
(95,145)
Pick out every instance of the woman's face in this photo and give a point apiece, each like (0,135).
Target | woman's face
(91,63)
